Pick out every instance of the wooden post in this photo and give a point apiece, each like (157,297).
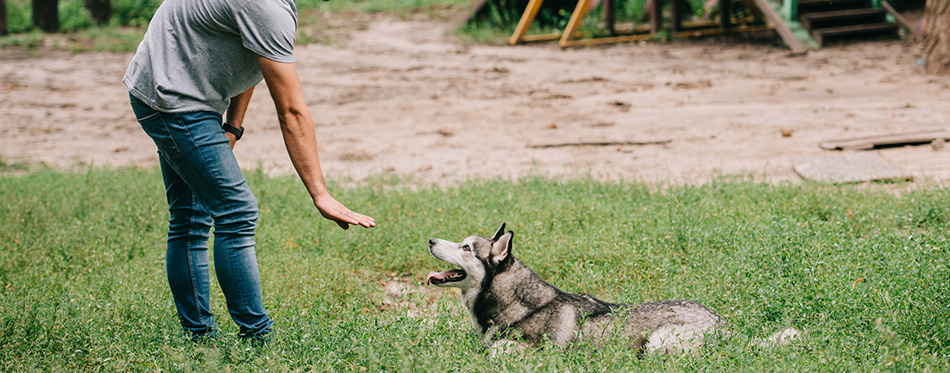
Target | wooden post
(575,23)
(46,15)
(3,18)
(656,16)
(609,16)
(675,18)
(725,13)
(529,13)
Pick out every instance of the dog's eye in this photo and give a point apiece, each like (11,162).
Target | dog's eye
(466,248)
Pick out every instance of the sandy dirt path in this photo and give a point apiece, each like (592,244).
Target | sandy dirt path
(402,98)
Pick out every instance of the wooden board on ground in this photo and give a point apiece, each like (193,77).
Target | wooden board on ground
(843,168)
(600,143)
(899,139)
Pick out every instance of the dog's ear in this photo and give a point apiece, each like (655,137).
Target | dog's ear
(500,232)
(501,246)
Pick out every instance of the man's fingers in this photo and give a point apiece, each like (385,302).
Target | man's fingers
(342,216)
(360,219)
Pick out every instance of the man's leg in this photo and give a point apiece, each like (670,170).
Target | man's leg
(195,148)
(186,256)
(207,164)
(189,225)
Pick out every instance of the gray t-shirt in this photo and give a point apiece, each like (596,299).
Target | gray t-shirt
(197,54)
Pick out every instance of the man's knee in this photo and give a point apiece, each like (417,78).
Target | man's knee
(187,223)
(240,219)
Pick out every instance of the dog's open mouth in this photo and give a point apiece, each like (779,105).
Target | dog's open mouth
(438,278)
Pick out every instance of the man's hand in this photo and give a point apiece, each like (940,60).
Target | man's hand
(231,138)
(331,209)
(236,110)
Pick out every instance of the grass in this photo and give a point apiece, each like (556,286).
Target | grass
(864,271)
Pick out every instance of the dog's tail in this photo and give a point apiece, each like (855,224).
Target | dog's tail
(780,338)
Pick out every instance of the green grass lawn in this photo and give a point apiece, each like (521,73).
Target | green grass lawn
(864,270)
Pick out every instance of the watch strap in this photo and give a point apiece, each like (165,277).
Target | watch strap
(238,132)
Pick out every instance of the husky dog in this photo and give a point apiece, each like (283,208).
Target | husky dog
(508,302)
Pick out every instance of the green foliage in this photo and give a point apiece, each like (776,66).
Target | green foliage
(73,16)
(131,17)
(862,270)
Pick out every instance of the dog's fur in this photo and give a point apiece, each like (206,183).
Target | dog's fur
(508,302)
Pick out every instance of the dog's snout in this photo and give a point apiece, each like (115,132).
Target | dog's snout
(432,242)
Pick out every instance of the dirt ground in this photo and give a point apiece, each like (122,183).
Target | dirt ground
(403,98)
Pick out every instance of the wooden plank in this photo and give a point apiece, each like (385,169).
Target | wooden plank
(855,29)
(843,14)
(681,34)
(600,143)
(871,142)
(849,168)
(526,19)
(607,40)
(779,24)
(541,37)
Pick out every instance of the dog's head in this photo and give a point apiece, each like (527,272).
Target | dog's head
(477,257)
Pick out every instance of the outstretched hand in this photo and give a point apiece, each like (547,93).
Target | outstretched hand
(333,210)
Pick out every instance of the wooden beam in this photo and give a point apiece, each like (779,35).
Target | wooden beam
(601,143)
(725,13)
(871,142)
(526,19)
(577,17)
(779,24)
(681,34)
(607,40)
(900,18)
(541,37)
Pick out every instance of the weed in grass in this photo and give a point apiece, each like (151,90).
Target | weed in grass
(862,270)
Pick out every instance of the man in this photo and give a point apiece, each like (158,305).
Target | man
(199,61)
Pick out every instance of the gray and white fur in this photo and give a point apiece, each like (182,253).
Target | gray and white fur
(511,306)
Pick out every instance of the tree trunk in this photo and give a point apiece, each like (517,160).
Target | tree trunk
(937,40)
(99,10)
(3,18)
(46,14)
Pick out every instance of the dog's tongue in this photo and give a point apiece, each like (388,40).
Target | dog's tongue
(436,275)
(440,275)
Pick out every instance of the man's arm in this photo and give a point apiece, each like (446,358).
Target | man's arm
(296,125)
(236,110)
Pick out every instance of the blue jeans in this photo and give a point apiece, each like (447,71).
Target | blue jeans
(205,188)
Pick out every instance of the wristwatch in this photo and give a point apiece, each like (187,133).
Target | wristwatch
(238,132)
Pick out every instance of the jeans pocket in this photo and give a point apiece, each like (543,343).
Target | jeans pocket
(156,127)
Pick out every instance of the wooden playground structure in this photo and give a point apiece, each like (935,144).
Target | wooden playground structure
(802,24)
